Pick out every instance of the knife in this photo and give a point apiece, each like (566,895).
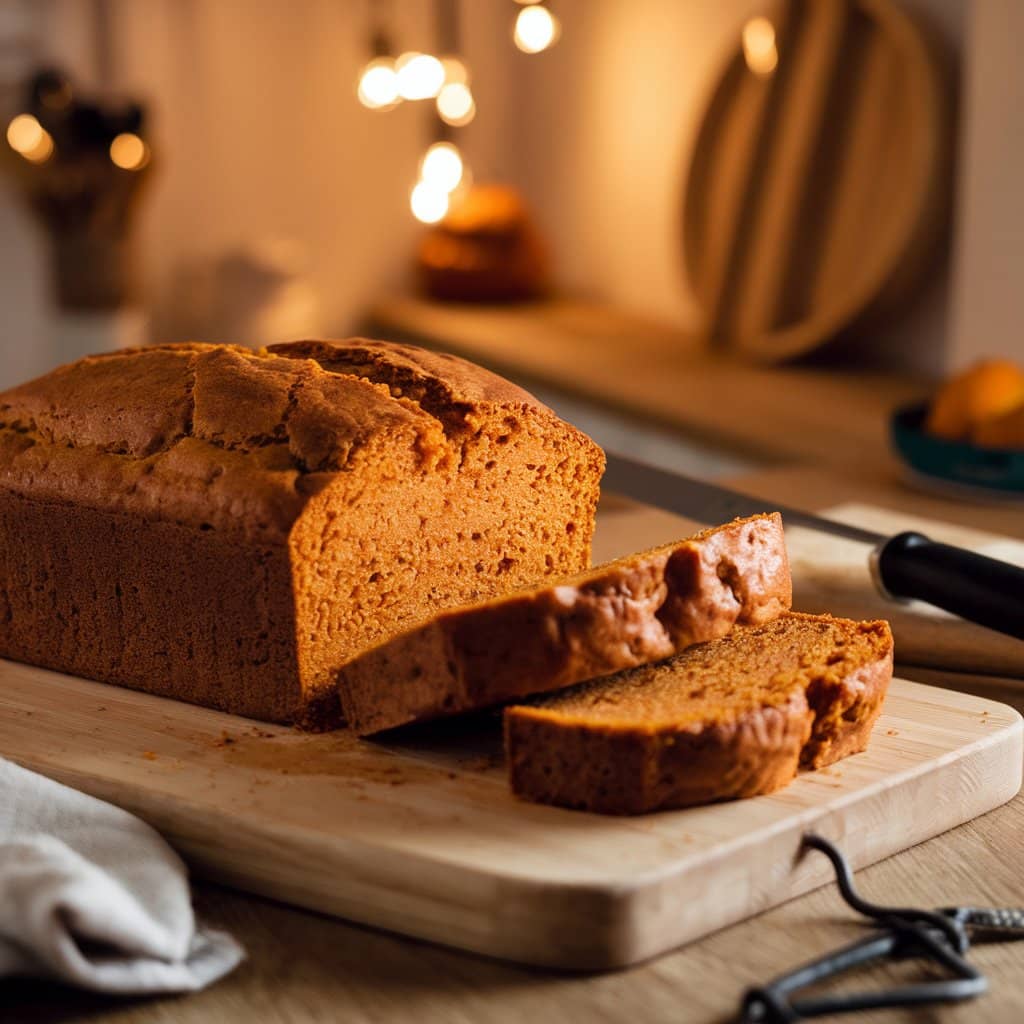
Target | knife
(903,567)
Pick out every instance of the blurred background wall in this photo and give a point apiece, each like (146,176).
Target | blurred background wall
(616,114)
(259,141)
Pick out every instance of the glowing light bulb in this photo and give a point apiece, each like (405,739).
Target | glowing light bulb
(24,133)
(442,166)
(129,152)
(455,104)
(420,76)
(536,29)
(428,202)
(27,137)
(378,84)
(759,49)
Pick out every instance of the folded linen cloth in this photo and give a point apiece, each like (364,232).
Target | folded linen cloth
(94,897)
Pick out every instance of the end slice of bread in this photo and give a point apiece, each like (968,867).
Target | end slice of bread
(626,613)
(735,717)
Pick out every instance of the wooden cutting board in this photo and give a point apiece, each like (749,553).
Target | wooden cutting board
(420,835)
(819,182)
(831,574)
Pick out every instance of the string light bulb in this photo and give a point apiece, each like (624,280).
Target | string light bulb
(129,152)
(24,133)
(428,202)
(455,104)
(420,76)
(28,138)
(536,29)
(759,48)
(442,166)
(378,84)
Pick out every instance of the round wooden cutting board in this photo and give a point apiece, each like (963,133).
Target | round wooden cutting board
(819,185)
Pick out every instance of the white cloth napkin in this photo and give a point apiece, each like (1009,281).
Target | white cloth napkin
(94,897)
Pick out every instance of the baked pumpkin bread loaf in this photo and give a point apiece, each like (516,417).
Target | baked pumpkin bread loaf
(731,718)
(227,526)
(626,613)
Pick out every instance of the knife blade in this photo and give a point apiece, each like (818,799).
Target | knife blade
(904,567)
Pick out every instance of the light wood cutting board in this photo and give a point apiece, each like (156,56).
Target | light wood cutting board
(831,574)
(819,182)
(420,835)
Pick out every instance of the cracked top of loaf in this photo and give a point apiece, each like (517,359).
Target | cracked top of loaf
(224,437)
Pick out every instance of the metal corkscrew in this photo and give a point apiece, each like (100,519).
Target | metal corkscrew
(941,936)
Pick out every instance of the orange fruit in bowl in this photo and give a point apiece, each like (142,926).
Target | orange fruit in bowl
(984,392)
(1005,431)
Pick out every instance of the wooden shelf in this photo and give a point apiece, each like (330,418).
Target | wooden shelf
(837,416)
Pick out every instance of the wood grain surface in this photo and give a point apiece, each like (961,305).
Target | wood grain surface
(306,969)
(419,834)
(819,181)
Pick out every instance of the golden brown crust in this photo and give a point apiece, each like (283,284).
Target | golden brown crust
(626,613)
(349,487)
(225,436)
(732,718)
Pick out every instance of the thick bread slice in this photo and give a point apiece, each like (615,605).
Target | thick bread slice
(626,613)
(731,718)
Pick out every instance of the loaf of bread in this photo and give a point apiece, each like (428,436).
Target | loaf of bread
(228,527)
(626,613)
(731,718)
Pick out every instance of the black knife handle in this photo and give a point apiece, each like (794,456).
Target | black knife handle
(972,586)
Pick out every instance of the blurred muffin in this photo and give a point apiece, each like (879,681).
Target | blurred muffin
(1005,431)
(979,395)
(485,250)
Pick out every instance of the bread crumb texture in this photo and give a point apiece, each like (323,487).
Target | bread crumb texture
(734,717)
(228,526)
(626,613)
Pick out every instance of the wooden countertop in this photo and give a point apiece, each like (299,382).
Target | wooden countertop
(303,968)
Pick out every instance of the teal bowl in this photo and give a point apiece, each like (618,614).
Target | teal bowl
(997,470)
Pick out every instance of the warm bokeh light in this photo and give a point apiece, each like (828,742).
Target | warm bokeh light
(129,152)
(442,166)
(420,76)
(24,133)
(759,49)
(455,104)
(30,139)
(454,71)
(428,202)
(378,84)
(536,29)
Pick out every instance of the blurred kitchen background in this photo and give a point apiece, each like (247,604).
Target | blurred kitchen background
(666,216)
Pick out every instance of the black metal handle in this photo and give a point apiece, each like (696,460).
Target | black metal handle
(970,585)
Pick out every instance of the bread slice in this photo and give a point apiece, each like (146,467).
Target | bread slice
(731,718)
(626,613)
